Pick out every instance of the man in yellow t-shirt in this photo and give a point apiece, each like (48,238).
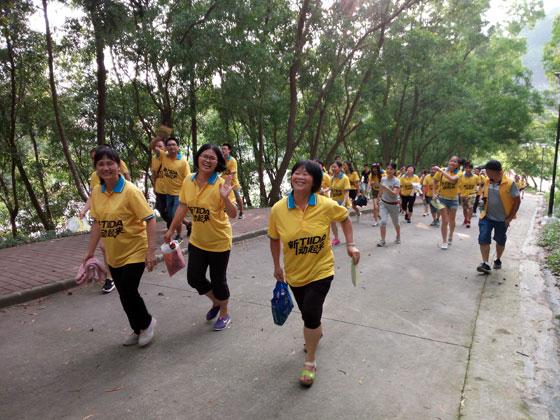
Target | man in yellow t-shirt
(231,169)
(428,190)
(174,170)
(468,188)
(157,146)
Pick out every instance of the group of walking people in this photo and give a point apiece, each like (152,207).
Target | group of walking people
(299,228)
(444,189)
(299,224)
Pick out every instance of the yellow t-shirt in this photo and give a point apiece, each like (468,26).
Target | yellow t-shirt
(121,215)
(373,180)
(211,229)
(325,182)
(339,184)
(305,237)
(468,184)
(447,189)
(428,182)
(173,173)
(354,178)
(156,174)
(406,184)
(94,180)
(231,168)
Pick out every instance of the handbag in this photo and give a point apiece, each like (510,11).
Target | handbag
(361,201)
(281,303)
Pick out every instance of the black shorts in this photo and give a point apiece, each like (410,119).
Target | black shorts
(353,194)
(310,299)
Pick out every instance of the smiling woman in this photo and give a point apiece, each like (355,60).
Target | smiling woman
(301,222)
(208,198)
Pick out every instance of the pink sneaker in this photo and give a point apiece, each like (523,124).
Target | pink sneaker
(335,242)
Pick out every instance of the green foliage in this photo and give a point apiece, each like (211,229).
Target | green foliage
(550,239)
(373,83)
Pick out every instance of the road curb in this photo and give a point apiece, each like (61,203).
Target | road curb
(36,292)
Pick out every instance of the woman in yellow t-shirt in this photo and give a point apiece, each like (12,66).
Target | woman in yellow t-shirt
(374,183)
(340,191)
(468,189)
(207,196)
(408,195)
(127,226)
(446,187)
(299,224)
(354,178)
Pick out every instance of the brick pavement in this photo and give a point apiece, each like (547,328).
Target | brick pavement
(34,270)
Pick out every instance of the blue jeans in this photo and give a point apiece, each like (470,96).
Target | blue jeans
(485,227)
(450,204)
(171,204)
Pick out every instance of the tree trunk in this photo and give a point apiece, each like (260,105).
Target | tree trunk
(40,177)
(291,128)
(65,147)
(192,111)
(16,159)
(101,75)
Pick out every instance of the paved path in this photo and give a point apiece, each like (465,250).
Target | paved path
(41,268)
(405,344)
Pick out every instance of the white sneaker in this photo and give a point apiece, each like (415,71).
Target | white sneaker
(375,224)
(132,340)
(444,246)
(398,241)
(147,335)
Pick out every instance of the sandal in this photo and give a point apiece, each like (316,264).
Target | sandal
(308,374)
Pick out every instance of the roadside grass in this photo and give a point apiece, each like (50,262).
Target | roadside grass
(550,240)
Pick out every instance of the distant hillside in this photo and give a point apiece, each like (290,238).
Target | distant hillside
(536,40)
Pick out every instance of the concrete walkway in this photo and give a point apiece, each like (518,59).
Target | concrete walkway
(406,343)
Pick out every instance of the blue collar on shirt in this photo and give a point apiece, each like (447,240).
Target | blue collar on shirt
(119,186)
(212,180)
(340,175)
(292,203)
(229,157)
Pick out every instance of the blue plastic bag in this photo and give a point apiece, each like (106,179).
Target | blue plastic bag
(281,303)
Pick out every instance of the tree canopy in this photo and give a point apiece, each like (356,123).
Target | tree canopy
(411,81)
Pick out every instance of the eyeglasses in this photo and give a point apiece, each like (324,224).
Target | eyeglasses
(209,158)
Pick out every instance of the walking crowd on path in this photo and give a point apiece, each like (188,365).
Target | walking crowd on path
(299,227)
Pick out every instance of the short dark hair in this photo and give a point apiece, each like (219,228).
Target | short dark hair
(105,151)
(313,169)
(411,166)
(221,165)
(350,166)
(228,145)
(172,138)
(467,164)
(393,165)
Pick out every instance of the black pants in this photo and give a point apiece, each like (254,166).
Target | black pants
(310,299)
(476,203)
(161,207)
(199,261)
(127,279)
(407,202)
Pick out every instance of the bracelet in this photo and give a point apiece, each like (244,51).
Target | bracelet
(351,244)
